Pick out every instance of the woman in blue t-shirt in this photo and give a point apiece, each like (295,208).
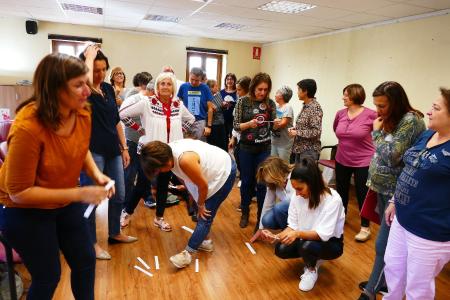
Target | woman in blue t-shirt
(419,213)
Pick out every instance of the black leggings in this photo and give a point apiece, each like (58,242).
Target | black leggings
(38,235)
(343,176)
(143,184)
(311,251)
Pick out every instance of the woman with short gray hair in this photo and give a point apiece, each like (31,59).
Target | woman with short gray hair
(281,142)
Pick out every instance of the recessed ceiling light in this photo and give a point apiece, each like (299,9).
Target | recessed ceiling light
(286,7)
(230,26)
(82,8)
(159,18)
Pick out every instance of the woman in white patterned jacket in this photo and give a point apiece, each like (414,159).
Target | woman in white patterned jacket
(164,118)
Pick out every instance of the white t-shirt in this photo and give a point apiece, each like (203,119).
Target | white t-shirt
(214,163)
(327,219)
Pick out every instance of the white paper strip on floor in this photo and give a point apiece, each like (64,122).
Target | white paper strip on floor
(187,229)
(196,265)
(250,248)
(143,262)
(143,271)
(156,263)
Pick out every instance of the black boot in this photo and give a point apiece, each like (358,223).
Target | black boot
(244,220)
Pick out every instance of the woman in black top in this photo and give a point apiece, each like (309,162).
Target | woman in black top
(254,115)
(108,145)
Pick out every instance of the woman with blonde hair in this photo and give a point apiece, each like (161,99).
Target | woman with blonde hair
(164,118)
(118,79)
(274,172)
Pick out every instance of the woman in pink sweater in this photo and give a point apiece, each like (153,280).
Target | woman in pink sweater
(353,126)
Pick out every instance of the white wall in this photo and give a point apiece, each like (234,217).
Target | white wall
(414,53)
(134,52)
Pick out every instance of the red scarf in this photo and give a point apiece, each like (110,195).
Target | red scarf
(168,112)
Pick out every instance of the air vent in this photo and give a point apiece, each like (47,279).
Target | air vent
(82,8)
(229,26)
(159,18)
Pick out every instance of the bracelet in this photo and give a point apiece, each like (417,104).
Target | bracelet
(124,148)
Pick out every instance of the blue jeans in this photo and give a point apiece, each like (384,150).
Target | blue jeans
(212,204)
(276,218)
(249,165)
(39,234)
(376,279)
(113,168)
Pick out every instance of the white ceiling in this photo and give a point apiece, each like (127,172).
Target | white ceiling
(259,26)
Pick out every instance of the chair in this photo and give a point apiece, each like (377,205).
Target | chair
(330,163)
(10,267)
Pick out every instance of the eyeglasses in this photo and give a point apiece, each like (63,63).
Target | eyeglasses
(119,73)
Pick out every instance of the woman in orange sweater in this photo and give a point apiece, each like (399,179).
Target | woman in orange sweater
(48,146)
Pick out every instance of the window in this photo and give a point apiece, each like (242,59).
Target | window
(68,47)
(209,61)
(71,45)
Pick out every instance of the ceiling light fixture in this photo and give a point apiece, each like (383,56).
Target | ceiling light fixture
(286,7)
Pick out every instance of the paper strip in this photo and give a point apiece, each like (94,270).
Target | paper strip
(143,271)
(187,229)
(250,248)
(91,207)
(156,263)
(143,262)
(196,265)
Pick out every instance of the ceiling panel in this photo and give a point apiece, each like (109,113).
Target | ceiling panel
(352,5)
(328,16)
(400,10)
(436,4)
(363,18)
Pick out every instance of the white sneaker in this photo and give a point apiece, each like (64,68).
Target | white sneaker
(182,259)
(308,280)
(239,184)
(124,219)
(206,245)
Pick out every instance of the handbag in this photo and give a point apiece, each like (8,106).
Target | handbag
(369,209)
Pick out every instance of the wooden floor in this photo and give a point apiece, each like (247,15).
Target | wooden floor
(231,271)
